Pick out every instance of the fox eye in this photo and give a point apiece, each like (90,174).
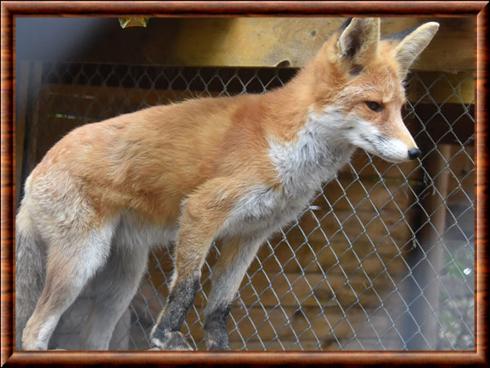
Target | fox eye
(375,106)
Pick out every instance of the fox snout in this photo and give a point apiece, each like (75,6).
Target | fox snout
(395,144)
(414,153)
(394,149)
(401,132)
(412,150)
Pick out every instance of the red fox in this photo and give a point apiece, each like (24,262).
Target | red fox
(233,169)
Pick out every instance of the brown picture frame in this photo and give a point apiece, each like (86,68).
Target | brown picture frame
(12,9)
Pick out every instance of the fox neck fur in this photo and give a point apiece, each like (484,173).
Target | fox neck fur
(316,155)
(314,147)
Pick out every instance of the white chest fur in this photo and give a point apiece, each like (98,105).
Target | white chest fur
(302,166)
(314,157)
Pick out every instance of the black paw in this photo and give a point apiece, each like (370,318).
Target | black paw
(216,332)
(170,340)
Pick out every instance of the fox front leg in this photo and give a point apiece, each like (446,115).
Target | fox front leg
(166,334)
(203,216)
(228,272)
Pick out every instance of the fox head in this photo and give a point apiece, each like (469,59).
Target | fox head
(361,75)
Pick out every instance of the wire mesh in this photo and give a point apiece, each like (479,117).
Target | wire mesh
(343,276)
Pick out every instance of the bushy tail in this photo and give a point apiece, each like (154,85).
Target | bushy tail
(30,271)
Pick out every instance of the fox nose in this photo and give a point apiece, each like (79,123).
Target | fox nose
(413,153)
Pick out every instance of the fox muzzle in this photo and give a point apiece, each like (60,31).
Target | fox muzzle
(413,153)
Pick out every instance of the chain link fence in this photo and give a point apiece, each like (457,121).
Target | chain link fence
(382,259)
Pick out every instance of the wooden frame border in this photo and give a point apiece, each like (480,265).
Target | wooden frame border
(11,9)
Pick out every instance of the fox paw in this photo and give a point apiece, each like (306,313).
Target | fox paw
(216,345)
(170,340)
(217,339)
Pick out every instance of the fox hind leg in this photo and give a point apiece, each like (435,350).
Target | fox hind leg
(70,264)
(114,288)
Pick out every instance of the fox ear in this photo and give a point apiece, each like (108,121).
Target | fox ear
(358,40)
(413,44)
